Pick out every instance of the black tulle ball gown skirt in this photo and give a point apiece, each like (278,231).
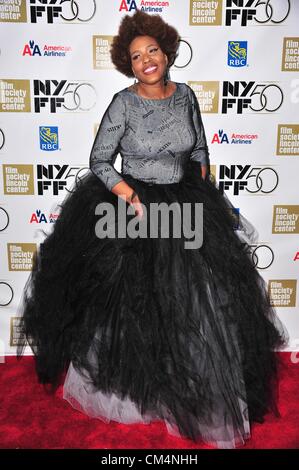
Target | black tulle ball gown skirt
(147,329)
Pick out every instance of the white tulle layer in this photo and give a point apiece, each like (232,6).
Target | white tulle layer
(79,392)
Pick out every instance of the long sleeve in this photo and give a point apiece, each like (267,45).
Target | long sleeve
(200,152)
(106,144)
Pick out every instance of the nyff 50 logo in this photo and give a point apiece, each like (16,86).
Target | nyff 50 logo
(255,96)
(39,8)
(58,178)
(256,12)
(254,180)
(71,96)
(65,10)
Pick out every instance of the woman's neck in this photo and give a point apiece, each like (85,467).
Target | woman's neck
(155,91)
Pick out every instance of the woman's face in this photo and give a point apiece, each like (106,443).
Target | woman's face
(147,59)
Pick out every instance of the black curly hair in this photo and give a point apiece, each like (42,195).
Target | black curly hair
(142,24)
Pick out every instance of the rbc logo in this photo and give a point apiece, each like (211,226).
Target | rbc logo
(237,53)
(48,138)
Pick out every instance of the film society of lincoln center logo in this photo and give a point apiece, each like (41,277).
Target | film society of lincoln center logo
(290,55)
(15,96)
(287,139)
(20,256)
(285,219)
(282,292)
(101,52)
(18,179)
(16,332)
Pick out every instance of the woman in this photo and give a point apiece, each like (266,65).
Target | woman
(146,327)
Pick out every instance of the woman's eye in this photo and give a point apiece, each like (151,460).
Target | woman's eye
(151,51)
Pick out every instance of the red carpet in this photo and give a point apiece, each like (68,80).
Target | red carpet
(31,419)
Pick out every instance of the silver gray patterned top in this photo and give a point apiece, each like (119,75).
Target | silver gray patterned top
(154,137)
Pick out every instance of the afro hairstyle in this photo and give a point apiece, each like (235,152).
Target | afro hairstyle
(142,24)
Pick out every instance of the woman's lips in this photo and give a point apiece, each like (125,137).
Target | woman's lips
(150,69)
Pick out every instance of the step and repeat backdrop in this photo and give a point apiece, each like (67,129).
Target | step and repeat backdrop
(242,60)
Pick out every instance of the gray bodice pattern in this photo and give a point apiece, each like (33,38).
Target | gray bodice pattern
(154,137)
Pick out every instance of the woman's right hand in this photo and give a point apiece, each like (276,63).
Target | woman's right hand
(126,192)
(135,202)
